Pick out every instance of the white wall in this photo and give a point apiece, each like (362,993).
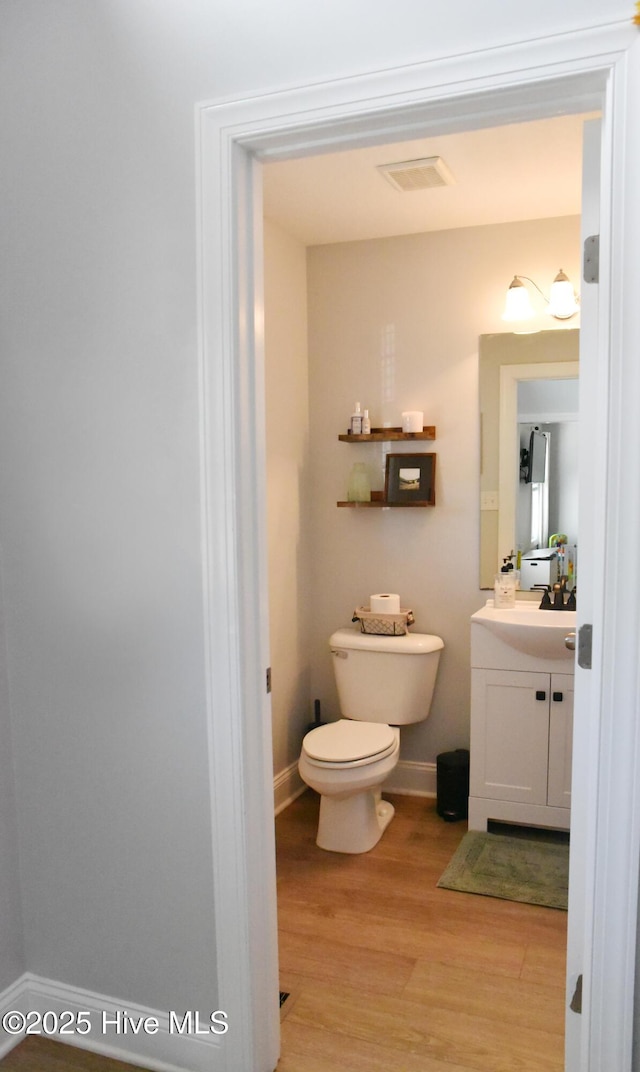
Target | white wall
(388,307)
(99,486)
(289,492)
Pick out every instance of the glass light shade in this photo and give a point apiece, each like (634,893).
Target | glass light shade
(518,304)
(562,298)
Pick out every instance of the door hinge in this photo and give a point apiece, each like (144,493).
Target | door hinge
(576,1000)
(591,259)
(585,639)
(268,680)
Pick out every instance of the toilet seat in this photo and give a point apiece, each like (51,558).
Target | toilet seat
(349,744)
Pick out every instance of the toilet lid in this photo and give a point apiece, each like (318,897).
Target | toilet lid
(346,741)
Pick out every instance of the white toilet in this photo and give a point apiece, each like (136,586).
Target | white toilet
(383,682)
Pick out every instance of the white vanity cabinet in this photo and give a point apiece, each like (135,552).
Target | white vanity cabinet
(521,735)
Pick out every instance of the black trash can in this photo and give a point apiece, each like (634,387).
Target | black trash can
(453,785)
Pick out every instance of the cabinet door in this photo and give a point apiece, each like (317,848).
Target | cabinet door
(509,735)
(560,740)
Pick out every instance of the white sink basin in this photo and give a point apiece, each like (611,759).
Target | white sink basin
(540,633)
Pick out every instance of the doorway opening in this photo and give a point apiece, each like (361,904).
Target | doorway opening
(232,143)
(391,266)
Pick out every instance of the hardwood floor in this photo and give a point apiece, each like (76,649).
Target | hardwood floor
(39,1054)
(388,973)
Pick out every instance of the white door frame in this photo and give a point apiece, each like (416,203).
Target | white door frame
(568,73)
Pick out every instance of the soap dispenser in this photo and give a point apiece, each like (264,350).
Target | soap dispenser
(504,589)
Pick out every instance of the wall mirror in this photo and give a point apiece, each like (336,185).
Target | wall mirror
(534,375)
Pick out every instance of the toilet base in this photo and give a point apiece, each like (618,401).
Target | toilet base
(353,824)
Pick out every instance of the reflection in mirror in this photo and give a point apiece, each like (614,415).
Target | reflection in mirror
(528,382)
(547,494)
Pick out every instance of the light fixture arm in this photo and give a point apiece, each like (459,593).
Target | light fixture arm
(533,283)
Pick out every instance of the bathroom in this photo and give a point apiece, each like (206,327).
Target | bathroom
(394,323)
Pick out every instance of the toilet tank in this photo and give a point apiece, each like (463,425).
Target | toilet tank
(386,679)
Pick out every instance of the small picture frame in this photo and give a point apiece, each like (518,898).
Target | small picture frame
(411,479)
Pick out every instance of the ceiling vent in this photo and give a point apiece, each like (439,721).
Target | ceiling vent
(417,174)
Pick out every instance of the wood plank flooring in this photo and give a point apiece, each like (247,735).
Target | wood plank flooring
(388,973)
(40,1054)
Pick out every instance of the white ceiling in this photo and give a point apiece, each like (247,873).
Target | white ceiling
(519,172)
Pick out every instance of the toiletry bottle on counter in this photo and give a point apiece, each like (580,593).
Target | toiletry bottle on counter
(356,420)
(504,589)
(366,423)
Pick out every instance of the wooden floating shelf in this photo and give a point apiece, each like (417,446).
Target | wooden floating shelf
(381,503)
(379,435)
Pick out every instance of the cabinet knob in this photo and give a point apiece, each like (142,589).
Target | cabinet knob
(540,695)
(557,697)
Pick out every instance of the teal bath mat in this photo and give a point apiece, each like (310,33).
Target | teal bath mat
(513,868)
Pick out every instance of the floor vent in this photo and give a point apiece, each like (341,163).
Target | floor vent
(424,174)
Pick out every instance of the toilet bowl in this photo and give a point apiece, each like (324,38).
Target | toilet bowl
(383,682)
(347,762)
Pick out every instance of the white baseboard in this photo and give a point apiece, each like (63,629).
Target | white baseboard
(408,779)
(11,998)
(158,1045)
(287,785)
(412,779)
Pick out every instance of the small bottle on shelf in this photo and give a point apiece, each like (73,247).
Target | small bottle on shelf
(366,423)
(356,420)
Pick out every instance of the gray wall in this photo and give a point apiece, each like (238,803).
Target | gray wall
(12,960)
(100,521)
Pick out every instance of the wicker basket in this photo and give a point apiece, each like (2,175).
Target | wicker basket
(383,624)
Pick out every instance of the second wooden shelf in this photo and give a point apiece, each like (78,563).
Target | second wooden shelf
(383,503)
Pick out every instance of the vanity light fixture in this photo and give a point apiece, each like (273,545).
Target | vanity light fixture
(562,302)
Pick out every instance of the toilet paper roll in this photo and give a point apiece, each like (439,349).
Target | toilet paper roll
(412,421)
(384,603)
